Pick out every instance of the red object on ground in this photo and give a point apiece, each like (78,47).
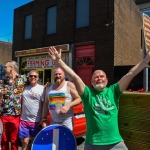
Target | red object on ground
(130,90)
(141,90)
(79,121)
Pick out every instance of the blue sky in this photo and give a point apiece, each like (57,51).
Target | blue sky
(6,17)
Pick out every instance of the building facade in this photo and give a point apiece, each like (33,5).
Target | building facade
(143,4)
(104,34)
(6,55)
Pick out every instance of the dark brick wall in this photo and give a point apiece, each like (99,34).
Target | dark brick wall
(100,31)
(141,1)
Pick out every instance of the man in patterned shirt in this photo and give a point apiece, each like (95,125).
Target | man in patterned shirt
(11,90)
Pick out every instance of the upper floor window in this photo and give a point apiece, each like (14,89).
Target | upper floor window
(146,11)
(28,27)
(82,13)
(51,20)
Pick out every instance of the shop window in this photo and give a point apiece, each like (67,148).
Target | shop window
(82,13)
(28,27)
(51,20)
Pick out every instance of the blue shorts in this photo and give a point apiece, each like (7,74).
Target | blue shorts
(28,129)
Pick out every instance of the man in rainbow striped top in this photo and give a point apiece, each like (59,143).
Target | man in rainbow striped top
(60,99)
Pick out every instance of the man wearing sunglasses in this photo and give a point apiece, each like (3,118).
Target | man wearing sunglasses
(32,102)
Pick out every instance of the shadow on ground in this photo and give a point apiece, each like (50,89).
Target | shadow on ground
(80,140)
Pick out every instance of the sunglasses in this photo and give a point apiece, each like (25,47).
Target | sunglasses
(31,76)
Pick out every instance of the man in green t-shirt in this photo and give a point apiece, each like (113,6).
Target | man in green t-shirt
(101,104)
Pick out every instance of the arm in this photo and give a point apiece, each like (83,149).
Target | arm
(75,95)
(126,79)
(45,111)
(56,56)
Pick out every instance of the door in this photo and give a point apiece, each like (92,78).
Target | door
(85,62)
(47,76)
(41,76)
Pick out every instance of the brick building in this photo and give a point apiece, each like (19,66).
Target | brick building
(102,34)
(6,54)
(5,51)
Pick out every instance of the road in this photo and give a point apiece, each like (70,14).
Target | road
(80,143)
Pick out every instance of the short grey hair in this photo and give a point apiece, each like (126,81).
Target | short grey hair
(13,64)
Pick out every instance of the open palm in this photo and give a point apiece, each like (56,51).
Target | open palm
(55,54)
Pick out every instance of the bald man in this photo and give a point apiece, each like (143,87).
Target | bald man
(101,104)
(60,99)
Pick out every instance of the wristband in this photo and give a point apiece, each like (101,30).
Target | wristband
(44,120)
(145,61)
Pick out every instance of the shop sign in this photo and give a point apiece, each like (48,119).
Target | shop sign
(40,63)
(37,62)
(43,61)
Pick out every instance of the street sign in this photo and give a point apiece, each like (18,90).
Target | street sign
(55,137)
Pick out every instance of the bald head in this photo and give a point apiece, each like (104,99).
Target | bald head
(99,80)
(100,72)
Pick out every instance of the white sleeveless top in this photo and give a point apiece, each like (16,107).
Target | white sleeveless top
(57,99)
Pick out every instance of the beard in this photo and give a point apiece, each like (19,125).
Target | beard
(99,87)
(58,80)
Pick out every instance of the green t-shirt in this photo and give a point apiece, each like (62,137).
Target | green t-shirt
(101,111)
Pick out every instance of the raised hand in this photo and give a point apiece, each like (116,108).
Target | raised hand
(55,54)
(146,60)
(148,54)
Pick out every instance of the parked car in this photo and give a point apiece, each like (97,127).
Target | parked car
(79,121)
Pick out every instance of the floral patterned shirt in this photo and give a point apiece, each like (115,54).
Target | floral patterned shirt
(10,102)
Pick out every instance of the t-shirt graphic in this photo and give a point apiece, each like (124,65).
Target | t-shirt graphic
(103,105)
(56,101)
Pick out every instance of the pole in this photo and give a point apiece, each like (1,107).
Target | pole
(145,74)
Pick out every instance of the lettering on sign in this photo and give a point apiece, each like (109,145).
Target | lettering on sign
(39,63)
(43,61)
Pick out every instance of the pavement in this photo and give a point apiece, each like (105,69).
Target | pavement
(80,143)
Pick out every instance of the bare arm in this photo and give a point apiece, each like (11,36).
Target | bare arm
(45,110)
(75,95)
(126,79)
(56,56)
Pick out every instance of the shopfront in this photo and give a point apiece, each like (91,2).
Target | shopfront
(38,59)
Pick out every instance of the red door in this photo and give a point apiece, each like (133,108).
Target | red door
(85,61)
(85,73)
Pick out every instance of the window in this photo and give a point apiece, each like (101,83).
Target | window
(51,20)
(28,26)
(82,13)
(146,11)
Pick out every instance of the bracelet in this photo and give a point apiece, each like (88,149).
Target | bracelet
(44,120)
(146,61)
